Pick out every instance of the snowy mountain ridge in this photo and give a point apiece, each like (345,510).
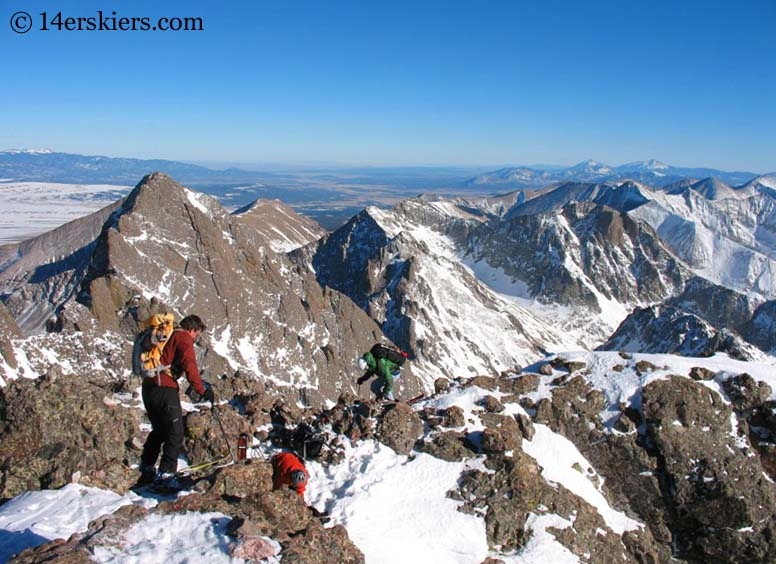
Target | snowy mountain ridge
(441,231)
(411,281)
(650,172)
(28,151)
(583,255)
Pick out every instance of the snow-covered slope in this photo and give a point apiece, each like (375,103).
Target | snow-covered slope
(589,258)
(715,189)
(729,241)
(31,208)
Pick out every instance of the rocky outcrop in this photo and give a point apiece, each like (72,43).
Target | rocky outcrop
(279,225)
(668,330)
(719,502)
(627,468)
(8,330)
(679,462)
(57,430)
(721,307)
(400,428)
(512,489)
(761,328)
(612,255)
(448,445)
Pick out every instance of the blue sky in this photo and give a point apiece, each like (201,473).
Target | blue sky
(456,83)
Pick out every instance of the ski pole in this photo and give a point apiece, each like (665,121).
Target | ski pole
(214,411)
(261,454)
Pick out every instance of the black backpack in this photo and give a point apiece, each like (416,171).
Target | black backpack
(306,441)
(393,354)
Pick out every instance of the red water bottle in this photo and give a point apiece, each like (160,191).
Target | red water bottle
(242,446)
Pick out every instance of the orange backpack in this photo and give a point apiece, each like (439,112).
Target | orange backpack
(149,344)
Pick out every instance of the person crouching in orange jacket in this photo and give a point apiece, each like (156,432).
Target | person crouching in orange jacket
(288,471)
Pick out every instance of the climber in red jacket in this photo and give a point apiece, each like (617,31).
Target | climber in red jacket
(163,406)
(288,471)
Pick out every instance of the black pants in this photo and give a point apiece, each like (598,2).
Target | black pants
(163,407)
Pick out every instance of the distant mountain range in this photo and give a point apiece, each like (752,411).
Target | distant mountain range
(44,165)
(49,166)
(331,195)
(651,172)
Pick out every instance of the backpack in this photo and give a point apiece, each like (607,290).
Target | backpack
(306,442)
(393,354)
(149,344)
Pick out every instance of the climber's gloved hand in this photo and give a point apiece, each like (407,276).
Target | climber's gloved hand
(209,395)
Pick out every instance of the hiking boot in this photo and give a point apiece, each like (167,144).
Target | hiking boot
(389,396)
(167,481)
(147,476)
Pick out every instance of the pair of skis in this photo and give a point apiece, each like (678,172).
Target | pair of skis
(410,401)
(188,476)
(205,467)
